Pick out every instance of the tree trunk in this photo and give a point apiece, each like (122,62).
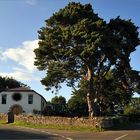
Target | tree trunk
(90,94)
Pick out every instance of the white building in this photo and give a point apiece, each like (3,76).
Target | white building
(21,100)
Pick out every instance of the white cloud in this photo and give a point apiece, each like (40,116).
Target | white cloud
(23,55)
(19,75)
(31,2)
(23,69)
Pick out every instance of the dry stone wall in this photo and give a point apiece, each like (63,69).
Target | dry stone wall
(83,122)
(98,122)
(3,117)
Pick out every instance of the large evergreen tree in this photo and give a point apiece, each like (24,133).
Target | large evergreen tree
(113,96)
(77,43)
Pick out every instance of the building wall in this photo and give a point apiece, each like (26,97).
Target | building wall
(28,108)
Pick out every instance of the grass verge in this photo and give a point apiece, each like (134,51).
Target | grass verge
(58,127)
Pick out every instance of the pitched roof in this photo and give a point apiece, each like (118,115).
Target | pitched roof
(20,89)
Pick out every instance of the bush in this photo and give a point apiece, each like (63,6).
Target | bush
(132,113)
(36,111)
(48,111)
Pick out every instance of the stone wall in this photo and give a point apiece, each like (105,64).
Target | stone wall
(98,122)
(64,121)
(3,117)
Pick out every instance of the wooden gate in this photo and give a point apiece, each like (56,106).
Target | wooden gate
(16,109)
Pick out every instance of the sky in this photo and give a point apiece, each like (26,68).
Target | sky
(21,19)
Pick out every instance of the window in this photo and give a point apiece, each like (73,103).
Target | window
(16,96)
(30,99)
(4,97)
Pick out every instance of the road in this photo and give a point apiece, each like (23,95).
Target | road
(107,135)
(7,132)
(132,133)
(16,133)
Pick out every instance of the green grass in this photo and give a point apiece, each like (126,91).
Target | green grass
(58,127)
(2,122)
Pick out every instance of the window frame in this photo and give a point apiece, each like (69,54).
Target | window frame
(30,99)
(3,99)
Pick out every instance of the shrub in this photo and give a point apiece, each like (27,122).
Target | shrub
(36,111)
(132,113)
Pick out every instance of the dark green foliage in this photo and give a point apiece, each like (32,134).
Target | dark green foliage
(8,83)
(77,104)
(36,112)
(68,43)
(111,100)
(77,43)
(48,111)
(113,96)
(123,39)
(59,106)
(132,110)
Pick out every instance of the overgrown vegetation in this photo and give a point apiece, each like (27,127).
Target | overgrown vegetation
(77,107)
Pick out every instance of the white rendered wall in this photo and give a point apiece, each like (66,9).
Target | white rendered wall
(28,108)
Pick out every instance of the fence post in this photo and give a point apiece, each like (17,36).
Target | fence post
(10,117)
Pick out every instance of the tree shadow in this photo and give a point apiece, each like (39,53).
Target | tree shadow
(127,126)
(6,133)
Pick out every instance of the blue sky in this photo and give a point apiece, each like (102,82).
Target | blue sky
(21,19)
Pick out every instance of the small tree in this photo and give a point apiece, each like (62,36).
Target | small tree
(59,106)
(76,42)
(48,110)
(77,104)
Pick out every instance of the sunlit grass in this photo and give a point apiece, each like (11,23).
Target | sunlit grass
(3,122)
(58,127)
